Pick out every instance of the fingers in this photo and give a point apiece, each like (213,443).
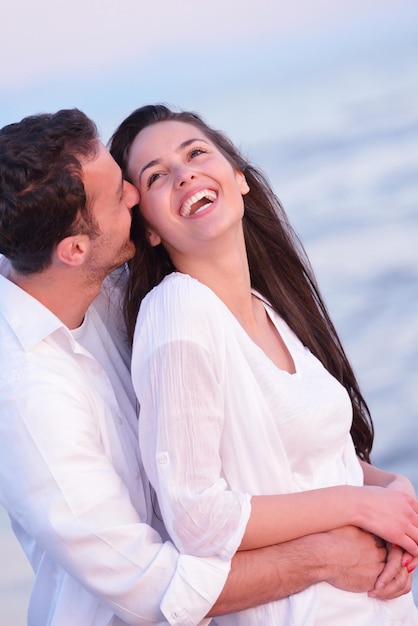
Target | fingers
(395,517)
(409,545)
(398,586)
(409,562)
(396,578)
(392,568)
(410,541)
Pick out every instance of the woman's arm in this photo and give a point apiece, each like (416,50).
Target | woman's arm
(382,478)
(389,513)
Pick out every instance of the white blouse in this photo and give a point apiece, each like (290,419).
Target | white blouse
(220,422)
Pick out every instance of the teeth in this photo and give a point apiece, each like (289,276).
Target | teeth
(187,207)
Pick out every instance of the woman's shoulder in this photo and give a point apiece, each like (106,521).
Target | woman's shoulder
(180,291)
(182,305)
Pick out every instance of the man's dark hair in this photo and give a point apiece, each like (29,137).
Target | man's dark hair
(42,196)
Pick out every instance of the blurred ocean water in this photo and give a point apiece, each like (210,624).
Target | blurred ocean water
(340,146)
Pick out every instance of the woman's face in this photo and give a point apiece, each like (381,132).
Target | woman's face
(189,192)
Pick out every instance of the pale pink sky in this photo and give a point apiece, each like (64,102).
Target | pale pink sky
(41,38)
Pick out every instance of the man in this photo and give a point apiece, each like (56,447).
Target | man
(70,473)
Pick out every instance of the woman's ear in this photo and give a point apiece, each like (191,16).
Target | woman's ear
(153,238)
(242,183)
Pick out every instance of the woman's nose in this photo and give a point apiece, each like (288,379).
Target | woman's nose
(184,175)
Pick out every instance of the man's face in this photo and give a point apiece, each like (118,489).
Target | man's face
(110,200)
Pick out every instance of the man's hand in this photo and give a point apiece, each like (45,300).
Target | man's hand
(358,559)
(364,563)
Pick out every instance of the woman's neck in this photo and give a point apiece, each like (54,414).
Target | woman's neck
(226,272)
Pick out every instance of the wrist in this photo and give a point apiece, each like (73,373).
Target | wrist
(321,555)
(356,505)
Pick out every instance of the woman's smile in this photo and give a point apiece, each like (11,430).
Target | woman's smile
(198,202)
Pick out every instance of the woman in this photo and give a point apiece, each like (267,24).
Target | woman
(244,387)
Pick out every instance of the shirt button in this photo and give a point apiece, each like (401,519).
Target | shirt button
(163,459)
(120,420)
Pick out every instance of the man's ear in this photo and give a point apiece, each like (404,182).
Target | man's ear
(72,250)
(153,238)
(242,183)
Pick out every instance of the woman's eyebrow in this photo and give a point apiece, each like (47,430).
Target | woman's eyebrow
(181,147)
(189,141)
(147,166)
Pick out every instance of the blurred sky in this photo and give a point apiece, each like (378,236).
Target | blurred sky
(109,57)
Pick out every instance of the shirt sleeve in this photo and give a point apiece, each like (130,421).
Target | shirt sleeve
(177,371)
(63,490)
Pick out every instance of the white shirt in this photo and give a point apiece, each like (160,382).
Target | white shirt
(72,481)
(219,421)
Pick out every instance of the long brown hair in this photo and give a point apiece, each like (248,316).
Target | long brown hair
(279,268)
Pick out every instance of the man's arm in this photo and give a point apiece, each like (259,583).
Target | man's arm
(348,558)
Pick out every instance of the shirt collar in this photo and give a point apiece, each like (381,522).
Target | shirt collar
(30,320)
